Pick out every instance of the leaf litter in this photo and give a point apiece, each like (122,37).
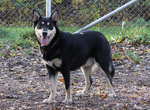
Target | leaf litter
(24,81)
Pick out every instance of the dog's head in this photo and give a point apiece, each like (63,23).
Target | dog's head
(45,27)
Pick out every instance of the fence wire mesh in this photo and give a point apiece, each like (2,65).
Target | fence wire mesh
(73,13)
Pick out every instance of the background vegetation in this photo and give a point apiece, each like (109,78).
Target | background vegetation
(136,33)
(130,25)
(72,12)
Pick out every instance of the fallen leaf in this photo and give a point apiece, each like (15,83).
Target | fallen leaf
(97,84)
(136,73)
(106,86)
(125,106)
(122,57)
(73,83)
(19,105)
(136,92)
(74,89)
(104,95)
(101,80)
(98,93)
(141,52)
(29,88)
(61,80)
(91,95)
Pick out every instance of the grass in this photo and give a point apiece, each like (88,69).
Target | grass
(131,33)
(15,36)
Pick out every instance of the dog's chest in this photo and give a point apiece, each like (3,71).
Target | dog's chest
(51,59)
(56,62)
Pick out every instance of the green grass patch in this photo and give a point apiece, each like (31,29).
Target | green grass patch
(129,32)
(15,36)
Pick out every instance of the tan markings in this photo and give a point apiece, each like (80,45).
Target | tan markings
(53,87)
(86,71)
(48,23)
(49,63)
(90,62)
(38,33)
(57,62)
(53,84)
(42,22)
(51,33)
(68,95)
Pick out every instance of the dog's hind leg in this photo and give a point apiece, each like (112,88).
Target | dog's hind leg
(106,70)
(86,69)
(109,81)
(88,81)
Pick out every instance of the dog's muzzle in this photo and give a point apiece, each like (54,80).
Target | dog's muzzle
(44,34)
(44,38)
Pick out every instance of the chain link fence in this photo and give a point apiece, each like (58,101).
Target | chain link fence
(73,13)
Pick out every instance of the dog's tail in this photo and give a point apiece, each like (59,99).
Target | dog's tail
(111,70)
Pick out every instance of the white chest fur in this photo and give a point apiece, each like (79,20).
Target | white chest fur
(55,62)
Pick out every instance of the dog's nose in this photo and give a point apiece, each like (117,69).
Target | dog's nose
(44,33)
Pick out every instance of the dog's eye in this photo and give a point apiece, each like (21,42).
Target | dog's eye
(40,25)
(50,27)
(48,23)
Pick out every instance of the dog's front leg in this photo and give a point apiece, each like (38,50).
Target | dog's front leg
(53,84)
(66,75)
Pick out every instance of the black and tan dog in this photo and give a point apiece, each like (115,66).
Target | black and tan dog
(63,52)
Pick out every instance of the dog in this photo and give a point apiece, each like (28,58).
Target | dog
(64,52)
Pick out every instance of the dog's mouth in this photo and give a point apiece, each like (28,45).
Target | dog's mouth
(44,40)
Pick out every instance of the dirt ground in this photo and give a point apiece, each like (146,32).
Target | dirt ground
(24,82)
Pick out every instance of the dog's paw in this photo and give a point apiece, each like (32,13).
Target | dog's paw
(67,101)
(112,95)
(81,93)
(49,101)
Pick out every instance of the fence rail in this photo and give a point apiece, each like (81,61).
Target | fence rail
(76,13)
(106,16)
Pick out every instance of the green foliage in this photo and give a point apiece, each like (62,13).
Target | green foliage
(15,37)
(134,56)
(78,13)
(3,33)
(27,52)
(129,53)
(116,55)
(1,54)
(19,12)
(130,33)
(136,32)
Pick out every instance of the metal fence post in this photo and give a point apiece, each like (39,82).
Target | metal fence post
(48,8)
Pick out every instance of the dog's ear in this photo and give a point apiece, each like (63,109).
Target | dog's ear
(37,16)
(54,16)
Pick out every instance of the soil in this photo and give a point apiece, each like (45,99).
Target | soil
(24,82)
